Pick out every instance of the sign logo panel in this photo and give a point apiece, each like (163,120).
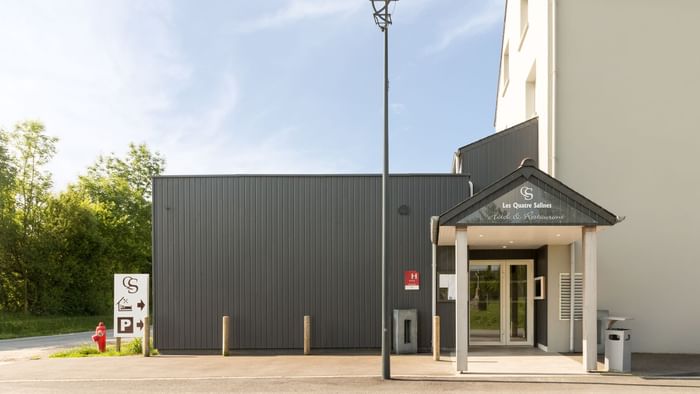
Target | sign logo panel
(131,303)
(528,204)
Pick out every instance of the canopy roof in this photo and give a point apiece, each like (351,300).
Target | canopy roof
(528,197)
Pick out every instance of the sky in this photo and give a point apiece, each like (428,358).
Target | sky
(239,87)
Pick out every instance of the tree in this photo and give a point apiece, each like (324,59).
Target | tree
(33,150)
(121,189)
(76,278)
(58,252)
(8,230)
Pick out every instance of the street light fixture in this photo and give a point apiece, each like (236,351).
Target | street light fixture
(382,18)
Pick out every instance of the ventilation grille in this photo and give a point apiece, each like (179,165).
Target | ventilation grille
(565,296)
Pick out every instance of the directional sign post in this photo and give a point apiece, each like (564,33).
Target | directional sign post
(130,304)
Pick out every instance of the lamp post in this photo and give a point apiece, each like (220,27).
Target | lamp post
(382,18)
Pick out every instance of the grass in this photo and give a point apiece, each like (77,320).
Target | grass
(18,325)
(489,319)
(132,348)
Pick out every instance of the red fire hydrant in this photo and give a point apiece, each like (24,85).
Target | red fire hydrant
(100,337)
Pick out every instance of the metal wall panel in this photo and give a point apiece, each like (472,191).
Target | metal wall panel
(266,250)
(491,158)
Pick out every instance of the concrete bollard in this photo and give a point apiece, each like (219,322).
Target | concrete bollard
(224,336)
(118,344)
(146,344)
(307,335)
(436,338)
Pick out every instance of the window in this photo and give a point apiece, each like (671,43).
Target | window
(531,93)
(565,296)
(539,288)
(523,18)
(446,287)
(505,68)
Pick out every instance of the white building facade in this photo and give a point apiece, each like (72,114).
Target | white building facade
(614,86)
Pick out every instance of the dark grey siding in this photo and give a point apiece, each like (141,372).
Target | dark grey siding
(490,159)
(446,309)
(266,250)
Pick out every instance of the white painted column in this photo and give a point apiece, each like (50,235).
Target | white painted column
(462,296)
(590,298)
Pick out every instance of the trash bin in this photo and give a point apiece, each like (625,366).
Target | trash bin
(618,354)
(405,331)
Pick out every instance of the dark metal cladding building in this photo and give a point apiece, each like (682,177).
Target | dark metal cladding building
(267,250)
(496,250)
(497,155)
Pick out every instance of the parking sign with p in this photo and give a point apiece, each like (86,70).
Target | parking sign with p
(130,304)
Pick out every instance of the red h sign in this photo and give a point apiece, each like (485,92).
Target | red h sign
(411,280)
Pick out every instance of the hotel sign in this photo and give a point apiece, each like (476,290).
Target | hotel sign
(411,280)
(131,305)
(527,204)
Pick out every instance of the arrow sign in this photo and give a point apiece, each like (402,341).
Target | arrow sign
(131,302)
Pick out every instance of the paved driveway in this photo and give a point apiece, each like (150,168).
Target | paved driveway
(26,348)
(324,373)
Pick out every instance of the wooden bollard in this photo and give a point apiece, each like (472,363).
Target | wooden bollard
(146,345)
(118,344)
(436,338)
(224,336)
(307,335)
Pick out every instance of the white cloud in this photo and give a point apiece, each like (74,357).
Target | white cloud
(95,79)
(103,74)
(489,16)
(297,10)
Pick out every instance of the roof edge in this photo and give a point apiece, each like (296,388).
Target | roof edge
(497,134)
(309,175)
(527,171)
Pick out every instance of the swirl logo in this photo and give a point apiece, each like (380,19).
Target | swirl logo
(526,192)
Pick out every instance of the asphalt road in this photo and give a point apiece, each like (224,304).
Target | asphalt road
(26,348)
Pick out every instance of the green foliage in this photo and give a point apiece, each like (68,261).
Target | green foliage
(132,348)
(8,228)
(16,325)
(28,149)
(58,252)
(121,191)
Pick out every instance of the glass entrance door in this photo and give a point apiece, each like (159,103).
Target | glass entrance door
(518,303)
(501,304)
(485,303)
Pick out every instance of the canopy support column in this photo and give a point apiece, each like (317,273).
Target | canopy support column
(590,298)
(462,296)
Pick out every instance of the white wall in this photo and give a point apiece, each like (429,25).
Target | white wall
(526,50)
(557,330)
(628,137)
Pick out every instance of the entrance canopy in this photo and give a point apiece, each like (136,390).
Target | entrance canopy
(518,208)
(524,210)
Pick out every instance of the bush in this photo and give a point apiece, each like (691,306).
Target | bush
(131,348)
